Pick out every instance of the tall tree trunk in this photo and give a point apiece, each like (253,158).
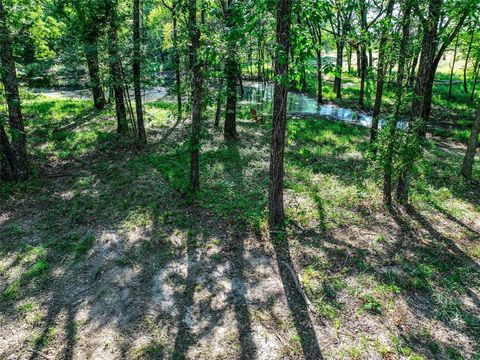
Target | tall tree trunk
(218,109)
(137,71)
(381,70)
(467,58)
(363,53)
(428,93)
(319,76)
(413,68)
(279,120)
(471,148)
(116,74)
(178,80)
(91,54)
(337,83)
(402,59)
(195,65)
(349,59)
(421,85)
(453,67)
(359,61)
(7,159)
(15,119)
(231,76)
(363,75)
(475,79)
(240,80)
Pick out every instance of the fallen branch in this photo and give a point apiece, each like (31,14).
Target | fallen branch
(299,287)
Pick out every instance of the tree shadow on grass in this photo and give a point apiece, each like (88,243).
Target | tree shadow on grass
(299,309)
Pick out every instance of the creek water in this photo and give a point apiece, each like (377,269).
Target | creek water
(259,96)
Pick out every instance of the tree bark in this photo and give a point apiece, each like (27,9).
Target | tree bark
(91,54)
(231,76)
(428,92)
(363,54)
(402,59)
(467,58)
(116,74)
(453,68)
(279,120)
(136,69)
(381,70)
(475,79)
(319,77)
(413,68)
(7,159)
(421,85)
(337,83)
(18,148)
(471,148)
(195,65)
(363,75)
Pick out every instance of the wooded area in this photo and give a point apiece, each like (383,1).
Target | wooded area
(240,179)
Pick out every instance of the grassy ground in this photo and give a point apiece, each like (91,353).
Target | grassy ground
(451,117)
(104,253)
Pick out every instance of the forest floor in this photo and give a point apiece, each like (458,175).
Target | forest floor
(104,253)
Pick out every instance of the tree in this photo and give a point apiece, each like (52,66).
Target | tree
(195,65)
(402,60)
(423,79)
(231,17)
(340,22)
(116,70)
(14,162)
(90,16)
(471,148)
(314,19)
(381,68)
(137,71)
(279,119)
(465,11)
(173,8)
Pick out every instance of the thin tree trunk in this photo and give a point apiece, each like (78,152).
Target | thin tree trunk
(475,79)
(467,58)
(194,34)
(363,54)
(413,68)
(12,96)
(363,75)
(349,59)
(402,59)
(337,83)
(421,85)
(231,76)
(91,54)
(279,120)
(359,61)
(136,69)
(178,80)
(7,159)
(218,110)
(116,75)
(428,93)
(471,148)
(240,81)
(381,71)
(319,77)
(453,67)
